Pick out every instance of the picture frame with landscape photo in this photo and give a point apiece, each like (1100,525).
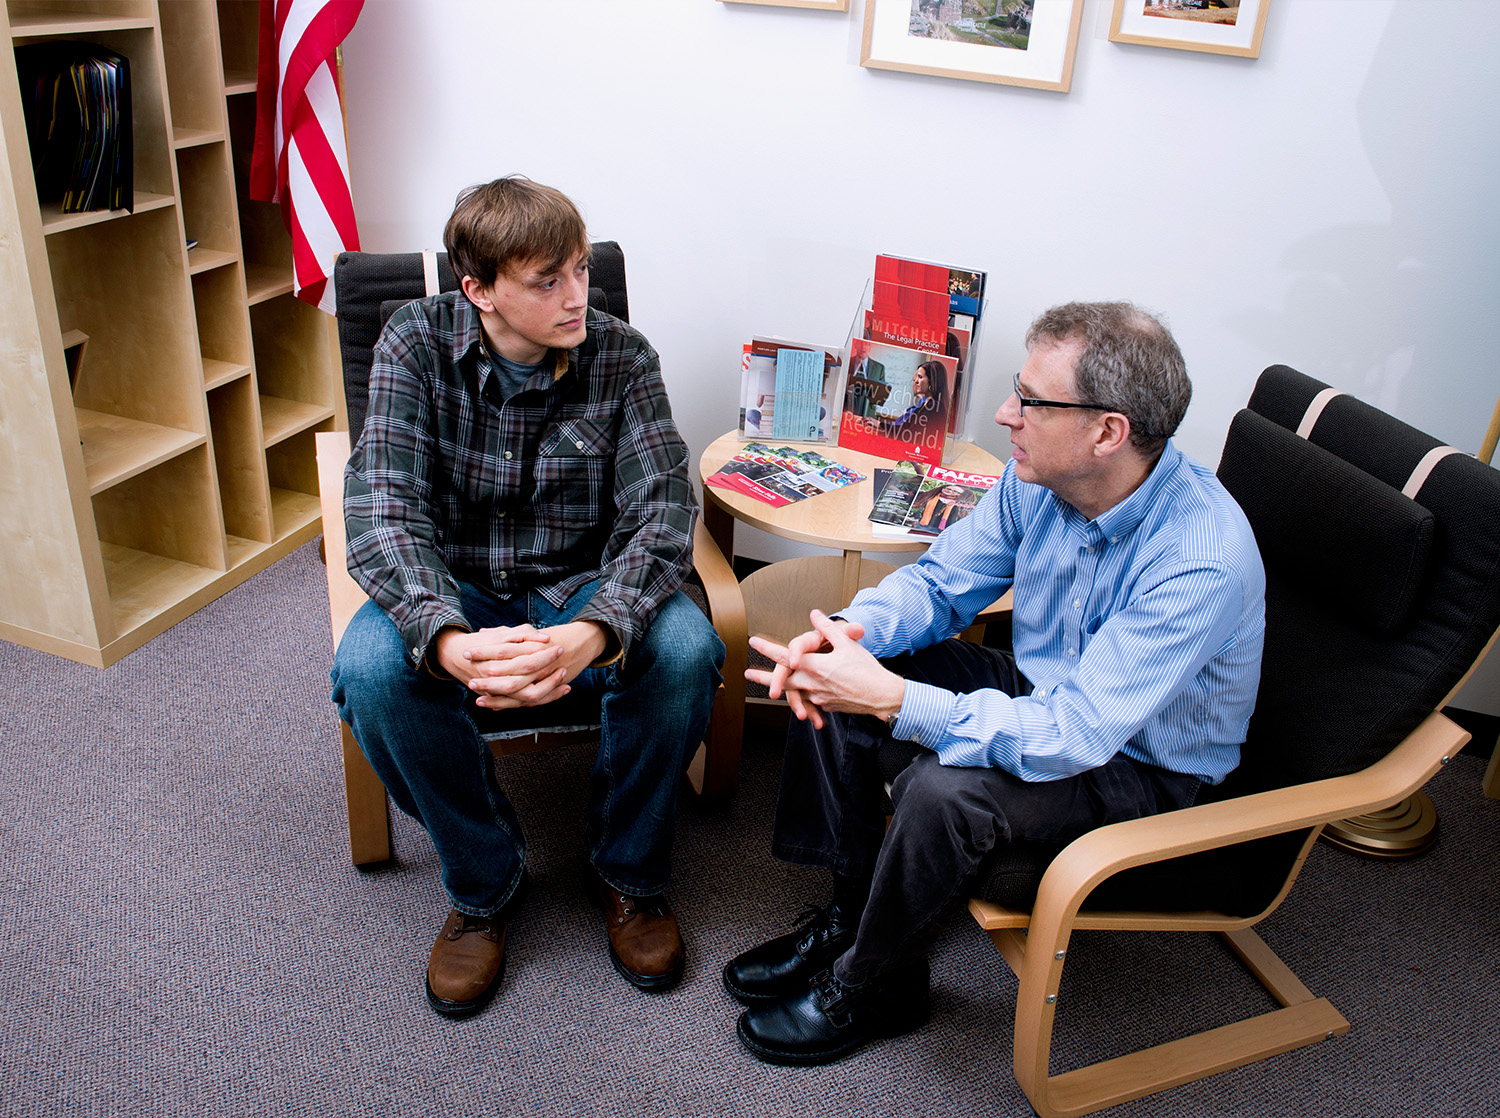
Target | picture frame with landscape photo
(1011,42)
(824,5)
(1232,27)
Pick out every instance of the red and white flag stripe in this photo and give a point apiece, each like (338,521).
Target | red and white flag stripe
(301,159)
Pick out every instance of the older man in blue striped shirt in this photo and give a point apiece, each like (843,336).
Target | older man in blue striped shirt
(1137,632)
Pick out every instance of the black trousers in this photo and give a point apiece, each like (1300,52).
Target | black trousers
(831,809)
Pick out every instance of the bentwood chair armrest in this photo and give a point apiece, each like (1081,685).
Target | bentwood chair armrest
(1102,853)
(726,609)
(1105,852)
(344,594)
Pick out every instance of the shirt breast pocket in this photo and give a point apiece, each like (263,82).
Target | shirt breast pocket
(574,465)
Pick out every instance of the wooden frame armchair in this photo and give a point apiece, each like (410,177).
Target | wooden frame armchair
(1382,551)
(369,288)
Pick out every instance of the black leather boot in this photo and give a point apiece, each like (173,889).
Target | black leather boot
(831,1020)
(785,966)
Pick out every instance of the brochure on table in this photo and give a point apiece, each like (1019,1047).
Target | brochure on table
(780,475)
(789,391)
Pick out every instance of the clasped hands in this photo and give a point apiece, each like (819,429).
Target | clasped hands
(827,668)
(519,666)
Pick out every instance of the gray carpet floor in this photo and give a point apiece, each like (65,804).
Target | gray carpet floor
(181,932)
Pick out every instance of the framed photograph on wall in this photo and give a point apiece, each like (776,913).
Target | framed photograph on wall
(826,5)
(1216,26)
(1012,42)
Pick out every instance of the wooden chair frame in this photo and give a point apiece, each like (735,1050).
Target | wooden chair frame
(714,772)
(1035,943)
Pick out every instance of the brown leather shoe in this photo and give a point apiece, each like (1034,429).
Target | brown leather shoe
(467,962)
(645,943)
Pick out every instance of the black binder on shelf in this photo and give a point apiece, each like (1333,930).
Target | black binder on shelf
(76,97)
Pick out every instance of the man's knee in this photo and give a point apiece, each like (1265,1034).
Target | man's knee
(370,660)
(940,799)
(681,646)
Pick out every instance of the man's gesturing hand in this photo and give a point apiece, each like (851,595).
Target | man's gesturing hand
(827,669)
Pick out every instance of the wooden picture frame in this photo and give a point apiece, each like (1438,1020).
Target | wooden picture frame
(823,5)
(1182,25)
(899,36)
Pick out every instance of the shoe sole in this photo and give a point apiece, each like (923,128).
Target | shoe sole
(828,1055)
(651,983)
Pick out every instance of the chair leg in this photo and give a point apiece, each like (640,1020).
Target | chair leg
(720,755)
(1303,1020)
(368,809)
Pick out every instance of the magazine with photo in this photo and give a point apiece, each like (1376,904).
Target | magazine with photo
(940,498)
(896,401)
(962,287)
(894,492)
(917,306)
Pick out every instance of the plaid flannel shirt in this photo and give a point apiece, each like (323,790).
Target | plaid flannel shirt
(580,475)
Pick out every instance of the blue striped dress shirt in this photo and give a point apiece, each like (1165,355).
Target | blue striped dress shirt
(1139,630)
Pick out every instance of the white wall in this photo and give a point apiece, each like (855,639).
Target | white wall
(1331,205)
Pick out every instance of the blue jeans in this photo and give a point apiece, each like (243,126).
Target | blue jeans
(423,736)
(831,809)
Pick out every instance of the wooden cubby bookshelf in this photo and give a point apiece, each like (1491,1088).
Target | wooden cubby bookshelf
(159,402)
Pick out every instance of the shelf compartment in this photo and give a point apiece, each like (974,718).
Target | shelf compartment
(267,281)
(122,283)
(292,467)
(239,40)
(208,202)
(293,509)
(143,585)
(284,418)
(190,45)
(116,448)
(162,536)
(149,137)
(216,374)
(263,236)
(240,462)
(294,351)
(223,326)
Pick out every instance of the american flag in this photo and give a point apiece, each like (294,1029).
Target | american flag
(300,157)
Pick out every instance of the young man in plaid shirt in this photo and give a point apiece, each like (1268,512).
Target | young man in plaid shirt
(520,511)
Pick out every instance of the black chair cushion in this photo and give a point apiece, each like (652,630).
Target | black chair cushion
(1351,540)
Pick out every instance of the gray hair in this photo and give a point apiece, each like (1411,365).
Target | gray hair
(1130,364)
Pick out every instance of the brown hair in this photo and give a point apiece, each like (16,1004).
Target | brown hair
(512,221)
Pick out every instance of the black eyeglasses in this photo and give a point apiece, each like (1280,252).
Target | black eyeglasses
(1028,402)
